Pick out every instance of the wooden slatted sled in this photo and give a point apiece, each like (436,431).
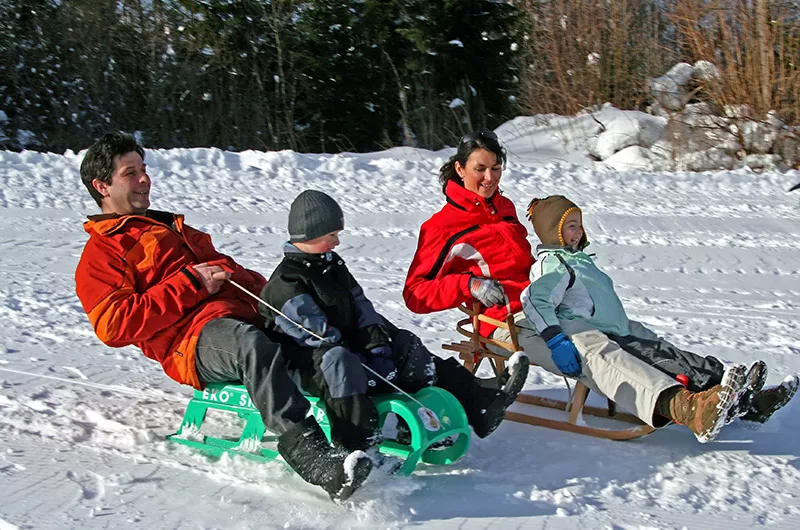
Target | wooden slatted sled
(616,425)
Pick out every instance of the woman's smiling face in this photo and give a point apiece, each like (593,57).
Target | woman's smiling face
(481,174)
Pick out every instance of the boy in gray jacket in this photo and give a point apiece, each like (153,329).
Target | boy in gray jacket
(567,286)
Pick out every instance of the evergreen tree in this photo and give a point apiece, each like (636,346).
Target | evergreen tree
(463,53)
(342,93)
(30,93)
(316,75)
(231,69)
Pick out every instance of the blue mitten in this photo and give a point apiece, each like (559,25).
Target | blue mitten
(381,360)
(565,355)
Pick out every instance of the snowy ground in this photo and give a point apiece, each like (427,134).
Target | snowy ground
(712,261)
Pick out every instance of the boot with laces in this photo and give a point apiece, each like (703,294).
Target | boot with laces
(704,413)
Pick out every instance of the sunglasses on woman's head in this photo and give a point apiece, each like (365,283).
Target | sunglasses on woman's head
(475,135)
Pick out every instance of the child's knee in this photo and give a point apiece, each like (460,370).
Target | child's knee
(414,361)
(343,372)
(406,345)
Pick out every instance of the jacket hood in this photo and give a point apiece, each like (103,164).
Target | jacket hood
(108,223)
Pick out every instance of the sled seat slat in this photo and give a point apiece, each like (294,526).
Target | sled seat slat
(475,350)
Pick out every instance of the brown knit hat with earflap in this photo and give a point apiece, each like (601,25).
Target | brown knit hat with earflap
(548,215)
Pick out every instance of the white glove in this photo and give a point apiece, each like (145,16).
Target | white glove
(487,291)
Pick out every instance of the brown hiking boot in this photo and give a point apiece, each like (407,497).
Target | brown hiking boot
(767,402)
(704,413)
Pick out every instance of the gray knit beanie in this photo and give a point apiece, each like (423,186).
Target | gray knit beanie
(314,214)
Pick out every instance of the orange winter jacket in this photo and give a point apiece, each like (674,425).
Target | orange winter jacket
(136,283)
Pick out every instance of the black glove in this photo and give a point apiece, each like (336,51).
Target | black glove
(381,360)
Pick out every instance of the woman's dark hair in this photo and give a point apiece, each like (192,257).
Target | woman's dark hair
(482,139)
(99,160)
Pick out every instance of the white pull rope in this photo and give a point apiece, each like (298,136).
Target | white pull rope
(278,311)
(323,339)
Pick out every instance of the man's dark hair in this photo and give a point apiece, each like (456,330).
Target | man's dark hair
(99,160)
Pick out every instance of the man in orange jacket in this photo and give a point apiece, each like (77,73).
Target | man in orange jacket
(147,279)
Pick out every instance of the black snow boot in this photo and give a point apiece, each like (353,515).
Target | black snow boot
(769,401)
(306,449)
(485,406)
(756,377)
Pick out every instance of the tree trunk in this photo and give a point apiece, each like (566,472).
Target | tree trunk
(764,52)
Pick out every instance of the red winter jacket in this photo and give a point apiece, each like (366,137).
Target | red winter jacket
(468,236)
(136,283)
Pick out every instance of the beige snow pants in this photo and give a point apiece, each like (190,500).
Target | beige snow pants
(606,368)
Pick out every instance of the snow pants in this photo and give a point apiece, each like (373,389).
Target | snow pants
(606,367)
(229,350)
(336,375)
(645,344)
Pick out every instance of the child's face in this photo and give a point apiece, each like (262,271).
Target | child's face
(321,244)
(572,230)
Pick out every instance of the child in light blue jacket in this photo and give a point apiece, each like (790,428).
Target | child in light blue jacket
(566,285)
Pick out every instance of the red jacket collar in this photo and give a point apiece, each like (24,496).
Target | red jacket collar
(463,199)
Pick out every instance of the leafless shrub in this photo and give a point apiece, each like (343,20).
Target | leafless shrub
(580,53)
(754,44)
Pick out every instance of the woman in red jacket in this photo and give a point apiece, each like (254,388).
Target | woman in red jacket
(475,248)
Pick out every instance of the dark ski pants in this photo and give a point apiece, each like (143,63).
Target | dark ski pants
(229,350)
(475,395)
(337,376)
(702,372)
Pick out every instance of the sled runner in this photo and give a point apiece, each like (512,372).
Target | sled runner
(474,350)
(432,427)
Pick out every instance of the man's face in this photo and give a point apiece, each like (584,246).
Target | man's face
(129,189)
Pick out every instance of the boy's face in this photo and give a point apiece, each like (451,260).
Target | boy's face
(321,244)
(572,230)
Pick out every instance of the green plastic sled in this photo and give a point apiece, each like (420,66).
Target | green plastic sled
(441,418)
